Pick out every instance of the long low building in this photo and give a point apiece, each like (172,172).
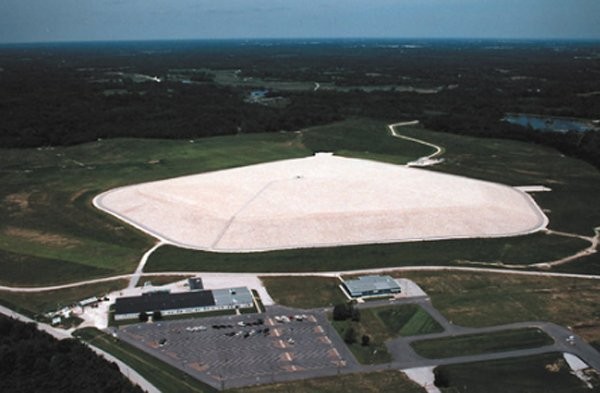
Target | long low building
(182,303)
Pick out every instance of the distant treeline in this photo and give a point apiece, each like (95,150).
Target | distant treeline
(33,361)
(73,93)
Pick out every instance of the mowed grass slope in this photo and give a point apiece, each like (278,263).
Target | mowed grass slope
(528,249)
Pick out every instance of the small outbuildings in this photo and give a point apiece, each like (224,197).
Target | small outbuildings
(373,285)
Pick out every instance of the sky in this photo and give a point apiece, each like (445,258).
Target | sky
(91,20)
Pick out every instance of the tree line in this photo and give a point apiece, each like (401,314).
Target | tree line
(74,93)
(34,361)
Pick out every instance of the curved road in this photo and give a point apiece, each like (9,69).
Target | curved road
(302,274)
(405,357)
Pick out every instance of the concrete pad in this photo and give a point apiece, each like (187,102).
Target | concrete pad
(423,376)
(320,201)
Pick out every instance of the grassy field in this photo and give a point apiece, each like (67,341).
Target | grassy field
(165,378)
(377,382)
(520,250)
(365,139)
(546,373)
(40,302)
(374,353)
(304,292)
(484,299)
(406,320)
(382,324)
(477,344)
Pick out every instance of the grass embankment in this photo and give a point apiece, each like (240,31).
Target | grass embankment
(387,381)
(304,292)
(478,344)
(382,324)
(485,299)
(165,378)
(525,249)
(40,302)
(547,373)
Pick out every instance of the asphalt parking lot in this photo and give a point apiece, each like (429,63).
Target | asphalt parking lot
(231,351)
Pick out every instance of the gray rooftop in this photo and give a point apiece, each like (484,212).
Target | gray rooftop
(372,283)
(232,296)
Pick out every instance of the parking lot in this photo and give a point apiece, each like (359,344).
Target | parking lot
(231,351)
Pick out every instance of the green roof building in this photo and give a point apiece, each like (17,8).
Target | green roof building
(372,286)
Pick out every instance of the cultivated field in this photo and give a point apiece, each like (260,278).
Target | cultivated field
(323,200)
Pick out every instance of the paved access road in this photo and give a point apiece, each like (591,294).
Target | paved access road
(405,357)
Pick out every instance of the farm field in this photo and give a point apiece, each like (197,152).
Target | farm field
(477,344)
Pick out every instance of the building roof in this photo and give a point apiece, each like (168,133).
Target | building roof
(163,301)
(232,296)
(365,284)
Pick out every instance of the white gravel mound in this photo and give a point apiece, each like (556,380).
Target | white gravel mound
(320,201)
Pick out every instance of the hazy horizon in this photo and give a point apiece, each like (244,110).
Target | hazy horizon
(42,21)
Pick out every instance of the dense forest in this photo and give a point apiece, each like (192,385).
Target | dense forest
(33,361)
(72,93)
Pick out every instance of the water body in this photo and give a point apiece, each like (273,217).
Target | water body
(548,123)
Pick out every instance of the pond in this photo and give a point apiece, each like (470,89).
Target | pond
(549,123)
